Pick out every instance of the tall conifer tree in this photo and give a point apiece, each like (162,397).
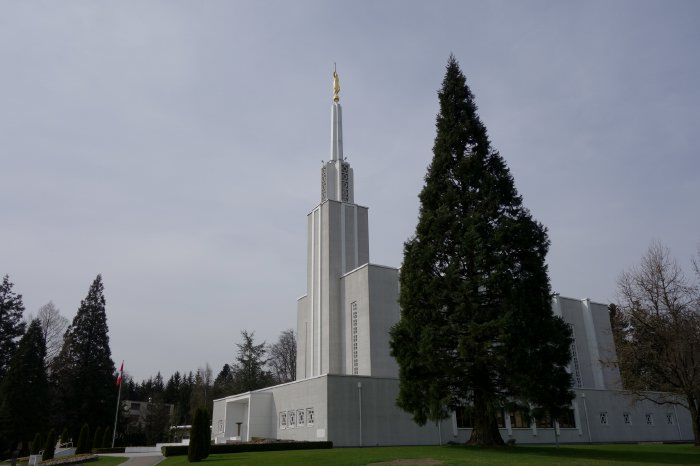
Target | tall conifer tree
(84,371)
(24,388)
(476,323)
(11,324)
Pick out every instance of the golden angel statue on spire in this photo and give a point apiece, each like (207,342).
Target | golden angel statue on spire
(336,86)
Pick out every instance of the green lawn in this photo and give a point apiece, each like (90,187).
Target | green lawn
(570,455)
(110,460)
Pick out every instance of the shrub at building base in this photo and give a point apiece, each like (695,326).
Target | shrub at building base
(50,446)
(199,437)
(181,450)
(65,438)
(83,440)
(107,438)
(97,439)
(36,445)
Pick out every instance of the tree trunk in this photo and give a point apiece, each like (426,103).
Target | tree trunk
(485,432)
(694,418)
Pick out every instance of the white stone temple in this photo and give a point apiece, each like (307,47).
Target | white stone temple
(347,382)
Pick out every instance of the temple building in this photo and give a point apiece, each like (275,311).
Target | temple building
(347,382)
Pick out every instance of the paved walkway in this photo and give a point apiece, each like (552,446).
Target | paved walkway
(139,459)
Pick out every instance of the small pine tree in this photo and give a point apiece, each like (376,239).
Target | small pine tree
(205,432)
(198,449)
(37,443)
(50,446)
(64,436)
(97,438)
(83,440)
(107,438)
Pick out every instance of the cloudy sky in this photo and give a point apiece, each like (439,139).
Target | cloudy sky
(175,147)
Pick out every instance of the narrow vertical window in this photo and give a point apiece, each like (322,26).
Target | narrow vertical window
(604,418)
(627,418)
(650,419)
(669,418)
(309,417)
(574,359)
(355,360)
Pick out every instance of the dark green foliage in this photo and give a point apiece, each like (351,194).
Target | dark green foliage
(476,322)
(198,448)
(107,438)
(37,443)
(24,388)
(50,446)
(11,324)
(249,370)
(157,421)
(180,450)
(84,372)
(83,440)
(97,439)
(64,436)
(106,450)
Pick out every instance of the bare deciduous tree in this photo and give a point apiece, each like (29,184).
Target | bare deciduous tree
(283,357)
(53,326)
(659,349)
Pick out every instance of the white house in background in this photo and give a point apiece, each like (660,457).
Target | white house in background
(347,381)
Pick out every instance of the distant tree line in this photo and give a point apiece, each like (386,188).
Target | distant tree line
(59,377)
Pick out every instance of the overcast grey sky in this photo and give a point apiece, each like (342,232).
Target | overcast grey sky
(175,147)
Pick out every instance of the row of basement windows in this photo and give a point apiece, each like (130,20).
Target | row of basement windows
(296,418)
(627,418)
(518,419)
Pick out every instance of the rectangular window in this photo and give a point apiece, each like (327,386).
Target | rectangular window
(574,360)
(283,420)
(544,421)
(464,418)
(567,420)
(604,418)
(309,417)
(519,419)
(355,359)
(627,418)
(669,418)
(221,425)
(300,417)
(650,419)
(291,419)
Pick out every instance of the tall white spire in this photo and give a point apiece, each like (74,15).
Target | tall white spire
(336,121)
(336,174)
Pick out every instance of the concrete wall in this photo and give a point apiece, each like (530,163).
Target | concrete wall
(301,395)
(384,313)
(369,416)
(338,241)
(595,348)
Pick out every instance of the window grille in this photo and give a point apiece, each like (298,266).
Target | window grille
(355,359)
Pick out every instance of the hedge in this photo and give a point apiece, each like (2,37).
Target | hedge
(102,451)
(181,450)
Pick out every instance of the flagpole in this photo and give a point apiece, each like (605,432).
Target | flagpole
(119,395)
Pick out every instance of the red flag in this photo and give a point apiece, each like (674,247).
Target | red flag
(119,378)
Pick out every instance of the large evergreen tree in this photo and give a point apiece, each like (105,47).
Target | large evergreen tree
(11,324)
(84,372)
(249,370)
(476,325)
(24,388)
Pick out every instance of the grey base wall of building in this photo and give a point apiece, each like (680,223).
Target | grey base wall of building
(361,411)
